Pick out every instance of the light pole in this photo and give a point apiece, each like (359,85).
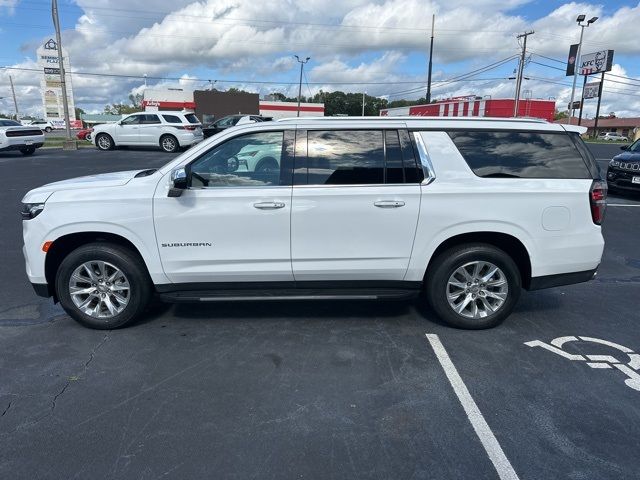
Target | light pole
(145,80)
(363,94)
(579,20)
(302,62)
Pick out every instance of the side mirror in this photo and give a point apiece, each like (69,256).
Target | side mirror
(624,147)
(179,182)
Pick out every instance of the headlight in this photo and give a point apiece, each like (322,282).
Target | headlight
(614,163)
(31,210)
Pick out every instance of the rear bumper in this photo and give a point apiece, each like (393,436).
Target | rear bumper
(549,281)
(19,146)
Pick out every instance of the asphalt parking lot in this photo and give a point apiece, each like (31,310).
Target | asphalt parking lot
(325,390)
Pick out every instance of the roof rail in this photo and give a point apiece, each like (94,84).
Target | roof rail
(412,118)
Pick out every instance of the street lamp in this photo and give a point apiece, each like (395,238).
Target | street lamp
(302,62)
(580,19)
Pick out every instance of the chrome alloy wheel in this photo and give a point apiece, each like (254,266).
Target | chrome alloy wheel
(104,143)
(477,289)
(99,289)
(168,144)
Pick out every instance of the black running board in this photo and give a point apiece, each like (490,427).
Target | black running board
(289,294)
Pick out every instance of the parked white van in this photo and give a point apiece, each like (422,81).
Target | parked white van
(460,212)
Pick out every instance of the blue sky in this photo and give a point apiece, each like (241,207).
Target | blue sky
(351,42)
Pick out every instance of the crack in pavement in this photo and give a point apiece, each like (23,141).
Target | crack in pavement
(54,401)
(74,378)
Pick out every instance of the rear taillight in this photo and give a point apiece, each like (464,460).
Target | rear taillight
(598,200)
(189,127)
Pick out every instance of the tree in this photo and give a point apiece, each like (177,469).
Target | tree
(79,112)
(558,115)
(136,100)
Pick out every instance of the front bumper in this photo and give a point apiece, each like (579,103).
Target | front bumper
(622,179)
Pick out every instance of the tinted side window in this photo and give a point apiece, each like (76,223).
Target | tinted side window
(412,169)
(171,119)
(132,120)
(191,118)
(520,154)
(587,156)
(345,157)
(149,119)
(252,160)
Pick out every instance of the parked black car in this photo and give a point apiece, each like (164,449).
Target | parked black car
(230,121)
(624,169)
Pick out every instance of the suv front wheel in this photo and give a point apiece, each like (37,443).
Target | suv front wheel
(473,286)
(103,285)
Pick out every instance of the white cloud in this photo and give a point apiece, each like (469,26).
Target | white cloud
(348,40)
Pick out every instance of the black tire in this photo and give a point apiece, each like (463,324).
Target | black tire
(104,142)
(128,262)
(444,266)
(267,165)
(47,129)
(28,150)
(169,143)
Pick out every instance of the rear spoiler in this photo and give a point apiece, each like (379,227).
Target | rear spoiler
(574,128)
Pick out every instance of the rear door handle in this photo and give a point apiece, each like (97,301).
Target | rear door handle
(268,205)
(389,204)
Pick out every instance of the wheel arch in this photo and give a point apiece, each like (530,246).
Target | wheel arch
(65,244)
(504,241)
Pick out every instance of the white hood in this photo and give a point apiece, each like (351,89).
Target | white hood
(115,179)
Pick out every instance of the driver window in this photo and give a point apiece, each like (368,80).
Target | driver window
(247,161)
(132,120)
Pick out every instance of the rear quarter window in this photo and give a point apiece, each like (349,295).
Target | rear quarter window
(191,118)
(171,119)
(521,154)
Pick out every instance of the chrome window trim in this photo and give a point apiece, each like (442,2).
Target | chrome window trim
(425,161)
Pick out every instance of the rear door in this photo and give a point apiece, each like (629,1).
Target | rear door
(355,204)
(150,129)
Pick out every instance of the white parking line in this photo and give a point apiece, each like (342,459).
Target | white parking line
(479,424)
(623,204)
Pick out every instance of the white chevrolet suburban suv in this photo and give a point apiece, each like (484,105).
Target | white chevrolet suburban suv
(461,212)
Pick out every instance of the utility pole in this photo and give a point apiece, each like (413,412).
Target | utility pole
(15,102)
(520,71)
(433,21)
(302,62)
(63,80)
(363,94)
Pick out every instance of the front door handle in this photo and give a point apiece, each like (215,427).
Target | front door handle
(389,204)
(268,205)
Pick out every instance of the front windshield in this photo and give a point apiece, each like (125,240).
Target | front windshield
(635,147)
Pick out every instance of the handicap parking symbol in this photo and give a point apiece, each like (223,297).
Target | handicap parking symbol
(629,368)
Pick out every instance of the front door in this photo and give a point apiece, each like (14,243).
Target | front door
(233,223)
(355,205)
(127,132)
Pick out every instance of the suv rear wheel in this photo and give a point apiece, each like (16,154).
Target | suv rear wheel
(473,286)
(103,285)
(28,150)
(169,143)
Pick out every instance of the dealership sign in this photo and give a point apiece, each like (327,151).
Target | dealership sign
(596,62)
(591,90)
(51,85)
